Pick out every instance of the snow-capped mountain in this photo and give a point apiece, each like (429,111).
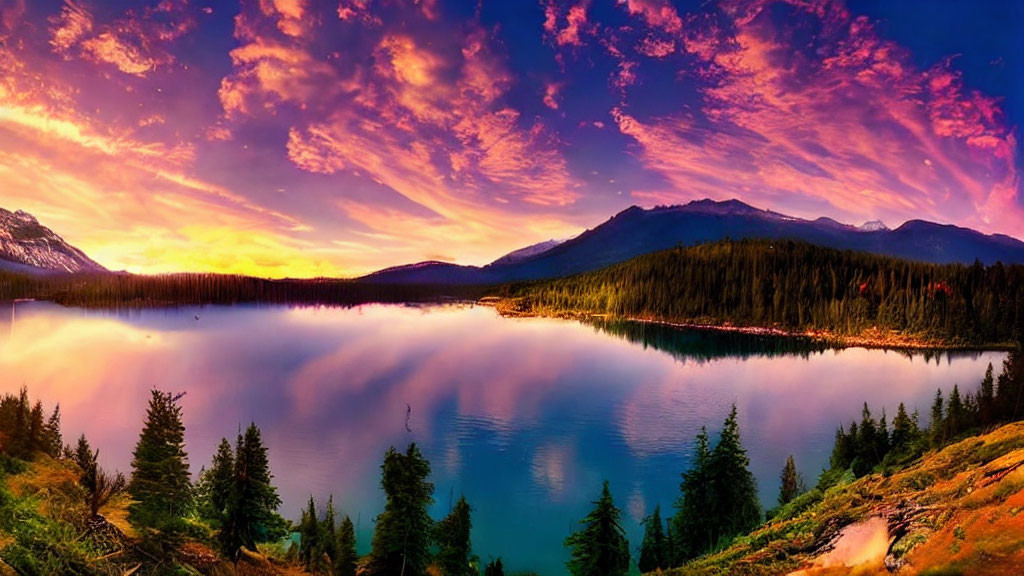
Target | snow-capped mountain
(874,226)
(636,231)
(28,246)
(526,253)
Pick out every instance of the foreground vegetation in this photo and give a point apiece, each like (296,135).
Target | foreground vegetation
(794,288)
(61,513)
(948,497)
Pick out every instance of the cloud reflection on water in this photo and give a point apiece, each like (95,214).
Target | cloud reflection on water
(525,417)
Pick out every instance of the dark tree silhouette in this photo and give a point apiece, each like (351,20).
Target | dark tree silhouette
(600,548)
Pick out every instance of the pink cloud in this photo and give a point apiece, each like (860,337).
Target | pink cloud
(551,91)
(425,121)
(657,13)
(576,24)
(656,47)
(860,129)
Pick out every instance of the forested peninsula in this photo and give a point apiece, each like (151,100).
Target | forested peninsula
(792,288)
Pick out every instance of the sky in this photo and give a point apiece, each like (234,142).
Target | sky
(307,138)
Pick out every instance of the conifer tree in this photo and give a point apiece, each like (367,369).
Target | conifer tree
(329,531)
(20,445)
(904,430)
(955,414)
(37,440)
(345,563)
(452,536)
(691,525)
(54,441)
(986,399)
(83,455)
(309,534)
(882,441)
(735,507)
(867,443)
(220,479)
(250,515)
(600,548)
(1010,387)
(936,428)
(792,483)
(401,540)
(494,568)
(160,487)
(654,547)
(671,546)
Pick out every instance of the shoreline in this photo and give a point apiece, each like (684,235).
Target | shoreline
(872,339)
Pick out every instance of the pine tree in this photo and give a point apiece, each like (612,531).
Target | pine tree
(83,455)
(842,450)
(21,445)
(1010,387)
(936,428)
(735,507)
(955,414)
(250,515)
(310,543)
(600,548)
(345,563)
(691,524)
(401,540)
(986,399)
(220,480)
(867,444)
(54,441)
(654,548)
(494,568)
(882,441)
(452,537)
(329,531)
(160,487)
(904,430)
(100,486)
(37,441)
(792,483)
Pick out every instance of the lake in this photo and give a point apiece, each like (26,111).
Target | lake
(525,417)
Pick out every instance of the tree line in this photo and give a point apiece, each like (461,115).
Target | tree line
(795,286)
(124,290)
(864,446)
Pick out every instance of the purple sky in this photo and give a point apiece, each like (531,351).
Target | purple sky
(305,138)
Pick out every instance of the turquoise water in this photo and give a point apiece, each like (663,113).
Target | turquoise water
(525,417)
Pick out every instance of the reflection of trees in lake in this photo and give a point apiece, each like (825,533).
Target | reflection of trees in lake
(702,345)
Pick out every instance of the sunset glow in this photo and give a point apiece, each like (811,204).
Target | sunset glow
(311,138)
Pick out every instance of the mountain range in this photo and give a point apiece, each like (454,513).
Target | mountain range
(28,246)
(637,231)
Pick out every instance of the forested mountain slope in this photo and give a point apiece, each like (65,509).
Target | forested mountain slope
(794,287)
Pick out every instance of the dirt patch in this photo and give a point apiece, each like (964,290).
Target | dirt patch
(862,545)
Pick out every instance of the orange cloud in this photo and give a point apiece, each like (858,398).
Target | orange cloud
(109,48)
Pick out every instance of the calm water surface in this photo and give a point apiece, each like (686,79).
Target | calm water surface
(525,417)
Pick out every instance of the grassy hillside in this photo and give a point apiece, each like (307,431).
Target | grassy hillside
(792,287)
(958,511)
(45,529)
